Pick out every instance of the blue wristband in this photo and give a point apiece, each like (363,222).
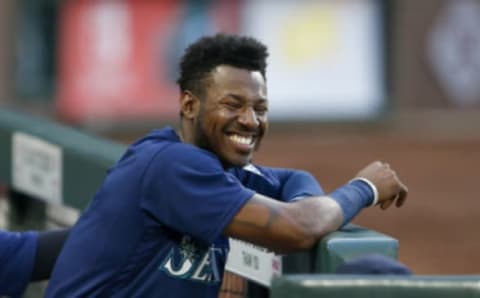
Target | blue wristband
(352,198)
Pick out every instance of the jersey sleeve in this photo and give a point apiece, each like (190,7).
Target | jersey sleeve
(297,184)
(187,189)
(17,256)
(279,183)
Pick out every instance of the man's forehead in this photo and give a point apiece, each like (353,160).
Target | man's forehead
(231,76)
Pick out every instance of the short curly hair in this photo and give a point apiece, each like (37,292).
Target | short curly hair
(201,57)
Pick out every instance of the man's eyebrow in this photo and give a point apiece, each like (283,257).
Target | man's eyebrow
(242,98)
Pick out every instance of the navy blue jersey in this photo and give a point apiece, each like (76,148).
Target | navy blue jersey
(17,257)
(155,226)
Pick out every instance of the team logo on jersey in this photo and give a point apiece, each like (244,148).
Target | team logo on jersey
(189,261)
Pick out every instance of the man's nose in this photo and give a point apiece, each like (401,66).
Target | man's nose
(248,118)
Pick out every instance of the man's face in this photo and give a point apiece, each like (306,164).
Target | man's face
(232,117)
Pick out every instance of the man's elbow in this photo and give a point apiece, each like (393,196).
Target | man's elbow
(305,239)
(308,229)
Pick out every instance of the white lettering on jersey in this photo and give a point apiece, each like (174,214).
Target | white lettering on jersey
(188,261)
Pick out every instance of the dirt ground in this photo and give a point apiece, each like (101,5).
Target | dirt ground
(438,227)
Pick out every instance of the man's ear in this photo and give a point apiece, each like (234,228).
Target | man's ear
(189,105)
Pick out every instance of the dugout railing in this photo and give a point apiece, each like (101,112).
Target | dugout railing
(381,286)
(64,166)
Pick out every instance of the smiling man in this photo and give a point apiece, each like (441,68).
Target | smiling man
(159,224)
(232,118)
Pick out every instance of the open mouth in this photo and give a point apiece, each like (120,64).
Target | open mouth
(243,142)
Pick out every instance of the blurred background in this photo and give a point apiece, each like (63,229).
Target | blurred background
(349,81)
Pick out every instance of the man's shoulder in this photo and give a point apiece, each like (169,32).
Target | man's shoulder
(167,142)
(162,144)
(173,156)
(185,153)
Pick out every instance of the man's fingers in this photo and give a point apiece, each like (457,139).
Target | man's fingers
(399,198)
(390,188)
(402,195)
(385,204)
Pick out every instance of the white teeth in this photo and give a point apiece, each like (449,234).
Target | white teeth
(241,140)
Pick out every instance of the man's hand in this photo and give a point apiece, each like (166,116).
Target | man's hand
(389,186)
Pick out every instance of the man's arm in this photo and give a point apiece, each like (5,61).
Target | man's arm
(287,227)
(49,245)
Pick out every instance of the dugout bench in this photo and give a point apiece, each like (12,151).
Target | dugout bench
(63,166)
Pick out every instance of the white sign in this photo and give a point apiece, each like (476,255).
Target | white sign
(37,167)
(253,262)
(326,57)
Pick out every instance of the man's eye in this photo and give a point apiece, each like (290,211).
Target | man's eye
(233,105)
(261,110)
